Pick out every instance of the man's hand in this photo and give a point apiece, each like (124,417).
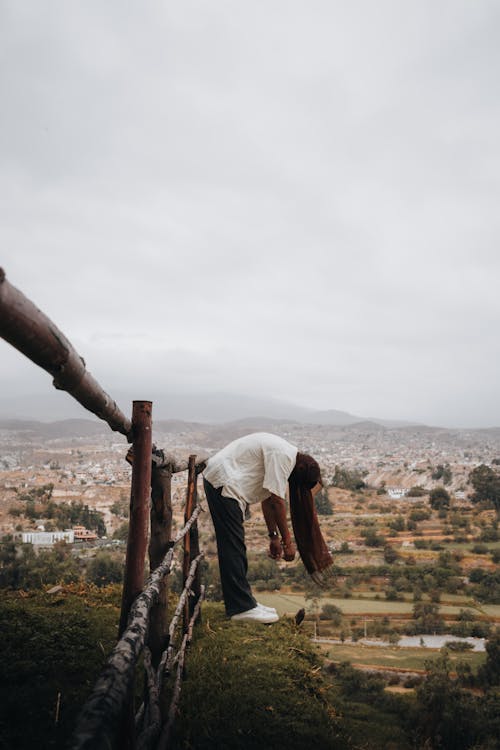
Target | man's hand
(288,550)
(275,550)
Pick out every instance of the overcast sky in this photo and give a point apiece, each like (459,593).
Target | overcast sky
(288,199)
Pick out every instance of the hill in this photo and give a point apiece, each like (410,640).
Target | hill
(65,428)
(207,408)
(247,686)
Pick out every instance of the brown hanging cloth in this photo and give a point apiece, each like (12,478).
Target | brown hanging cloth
(310,543)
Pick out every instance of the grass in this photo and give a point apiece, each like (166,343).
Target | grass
(467,546)
(370,728)
(290,603)
(250,686)
(247,686)
(492,610)
(51,646)
(401,658)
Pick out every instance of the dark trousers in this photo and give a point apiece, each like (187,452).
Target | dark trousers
(233,565)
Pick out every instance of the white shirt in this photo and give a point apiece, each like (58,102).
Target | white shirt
(252,468)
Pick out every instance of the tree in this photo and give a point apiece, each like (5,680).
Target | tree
(444,714)
(486,484)
(331,612)
(312,594)
(8,562)
(416,491)
(427,618)
(30,511)
(121,533)
(69,514)
(104,569)
(21,568)
(120,507)
(439,498)
(489,673)
(443,473)
(419,514)
(263,569)
(209,571)
(323,504)
(390,554)
(397,524)
(346,479)
(372,539)
(417,594)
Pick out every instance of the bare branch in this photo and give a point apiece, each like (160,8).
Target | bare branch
(153,729)
(174,705)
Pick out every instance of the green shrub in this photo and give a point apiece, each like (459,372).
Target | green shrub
(104,569)
(458,645)
(348,479)
(480,549)
(417,491)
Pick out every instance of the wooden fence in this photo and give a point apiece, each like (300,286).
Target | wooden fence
(109,720)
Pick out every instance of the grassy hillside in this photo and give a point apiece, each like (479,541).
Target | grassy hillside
(250,686)
(247,686)
(51,650)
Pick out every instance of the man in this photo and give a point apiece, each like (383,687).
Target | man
(257,468)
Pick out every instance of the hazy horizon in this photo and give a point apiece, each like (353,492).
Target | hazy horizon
(206,408)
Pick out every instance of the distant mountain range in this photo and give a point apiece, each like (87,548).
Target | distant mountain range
(218,433)
(63,428)
(206,408)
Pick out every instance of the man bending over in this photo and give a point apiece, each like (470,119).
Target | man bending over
(257,468)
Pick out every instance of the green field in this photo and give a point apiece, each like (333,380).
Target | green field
(288,603)
(402,658)
(492,610)
(467,546)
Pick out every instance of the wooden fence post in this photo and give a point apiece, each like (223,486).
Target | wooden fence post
(191,543)
(140,493)
(195,551)
(161,531)
(137,542)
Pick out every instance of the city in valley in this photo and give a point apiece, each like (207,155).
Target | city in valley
(394,470)
(85,461)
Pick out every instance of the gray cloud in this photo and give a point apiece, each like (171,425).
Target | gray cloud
(293,201)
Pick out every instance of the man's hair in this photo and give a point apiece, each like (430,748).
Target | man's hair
(306,471)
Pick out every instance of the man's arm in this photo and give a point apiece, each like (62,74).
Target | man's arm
(274,510)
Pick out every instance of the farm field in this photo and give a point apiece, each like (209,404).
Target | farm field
(492,610)
(289,603)
(393,657)
(466,547)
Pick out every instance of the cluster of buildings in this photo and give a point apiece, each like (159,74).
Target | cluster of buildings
(93,470)
(398,458)
(44,538)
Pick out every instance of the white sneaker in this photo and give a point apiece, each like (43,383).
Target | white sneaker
(256,614)
(267,609)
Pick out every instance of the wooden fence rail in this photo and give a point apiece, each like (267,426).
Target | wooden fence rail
(143,623)
(30,331)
